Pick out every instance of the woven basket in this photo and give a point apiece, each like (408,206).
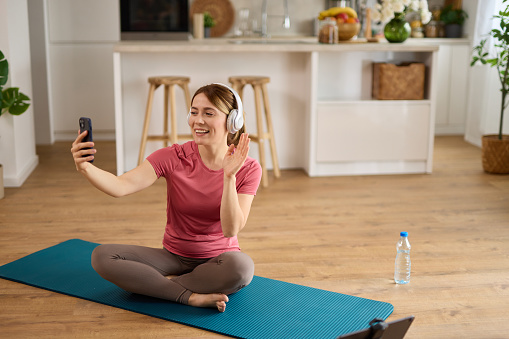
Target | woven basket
(495,154)
(398,82)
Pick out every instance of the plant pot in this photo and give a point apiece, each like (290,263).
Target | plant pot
(453,31)
(1,182)
(206,32)
(495,154)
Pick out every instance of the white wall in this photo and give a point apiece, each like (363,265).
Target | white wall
(17,137)
(81,35)
(44,133)
(484,97)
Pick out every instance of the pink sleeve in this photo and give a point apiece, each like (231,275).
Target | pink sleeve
(164,160)
(251,179)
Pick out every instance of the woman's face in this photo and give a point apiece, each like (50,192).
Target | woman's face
(208,124)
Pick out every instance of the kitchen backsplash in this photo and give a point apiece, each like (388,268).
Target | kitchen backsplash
(302,14)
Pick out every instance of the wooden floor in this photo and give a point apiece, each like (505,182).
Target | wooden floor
(334,233)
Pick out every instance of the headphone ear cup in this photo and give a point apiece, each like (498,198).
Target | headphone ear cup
(235,121)
(230,125)
(188,117)
(239,120)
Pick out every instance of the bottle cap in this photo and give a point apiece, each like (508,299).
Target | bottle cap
(404,234)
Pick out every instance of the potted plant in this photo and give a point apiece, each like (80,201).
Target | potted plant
(495,148)
(208,23)
(453,19)
(12,101)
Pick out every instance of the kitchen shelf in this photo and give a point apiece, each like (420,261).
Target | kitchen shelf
(372,101)
(316,90)
(354,134)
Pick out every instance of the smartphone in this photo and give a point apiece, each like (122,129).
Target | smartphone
(86,125)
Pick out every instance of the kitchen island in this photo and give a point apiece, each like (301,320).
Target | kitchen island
(324,117)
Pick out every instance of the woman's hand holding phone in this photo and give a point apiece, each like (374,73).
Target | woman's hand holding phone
(82,152)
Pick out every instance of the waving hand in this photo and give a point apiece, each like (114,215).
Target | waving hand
(235,157)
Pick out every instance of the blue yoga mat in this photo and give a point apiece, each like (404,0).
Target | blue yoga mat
(266,308)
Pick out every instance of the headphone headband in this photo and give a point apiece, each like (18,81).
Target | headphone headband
(240,107)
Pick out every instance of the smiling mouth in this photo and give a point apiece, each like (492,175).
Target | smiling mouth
(201,131)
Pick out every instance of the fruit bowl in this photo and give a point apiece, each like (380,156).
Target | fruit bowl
(346,31)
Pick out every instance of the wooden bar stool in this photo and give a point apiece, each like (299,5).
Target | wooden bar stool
(259,84)
(169,83)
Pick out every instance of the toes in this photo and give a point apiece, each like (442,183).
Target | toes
(221,306)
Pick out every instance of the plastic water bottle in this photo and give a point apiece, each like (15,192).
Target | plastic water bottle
(402,265)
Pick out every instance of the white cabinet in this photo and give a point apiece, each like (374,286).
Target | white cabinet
(82,85)
(372,131)
(451,110)
(352,134)
(75,21)
(81,36)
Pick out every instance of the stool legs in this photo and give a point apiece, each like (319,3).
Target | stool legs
(173,136)
(148,112)
(165,128)
(260,93)
(261,139)
(239,88)
(270,128)
(187,95)
(170,113)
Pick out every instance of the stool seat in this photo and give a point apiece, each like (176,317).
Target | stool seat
(169,80)
(169,83)
(249,80)
(259,84)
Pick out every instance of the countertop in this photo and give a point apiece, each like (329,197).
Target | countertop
(280,44)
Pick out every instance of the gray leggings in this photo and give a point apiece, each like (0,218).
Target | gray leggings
(143,270)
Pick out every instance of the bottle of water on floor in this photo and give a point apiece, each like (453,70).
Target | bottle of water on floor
(402,266)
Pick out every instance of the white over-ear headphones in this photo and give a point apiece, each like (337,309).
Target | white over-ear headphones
(235,119)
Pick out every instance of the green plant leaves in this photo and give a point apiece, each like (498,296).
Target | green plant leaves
(11,99)
(453,16)
(14,101)
(4,70)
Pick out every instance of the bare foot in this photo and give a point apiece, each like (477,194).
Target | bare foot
(209,300)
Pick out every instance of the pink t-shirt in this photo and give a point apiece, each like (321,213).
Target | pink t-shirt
(193,227)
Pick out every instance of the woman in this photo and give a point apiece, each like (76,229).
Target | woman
(210,188)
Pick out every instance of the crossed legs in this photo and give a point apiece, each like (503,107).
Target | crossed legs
(197,282)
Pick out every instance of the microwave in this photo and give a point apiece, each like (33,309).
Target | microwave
(154,20)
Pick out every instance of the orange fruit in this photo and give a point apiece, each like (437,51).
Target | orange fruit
(351,21)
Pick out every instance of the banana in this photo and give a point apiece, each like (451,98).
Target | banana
(333,11)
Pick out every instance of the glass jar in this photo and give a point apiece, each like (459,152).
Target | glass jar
(328,33)
(417,31)
(432,29)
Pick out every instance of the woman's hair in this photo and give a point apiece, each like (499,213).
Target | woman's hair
(222,98)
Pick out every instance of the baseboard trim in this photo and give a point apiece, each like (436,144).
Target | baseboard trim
(20,178)
(449,129)
(102,135)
